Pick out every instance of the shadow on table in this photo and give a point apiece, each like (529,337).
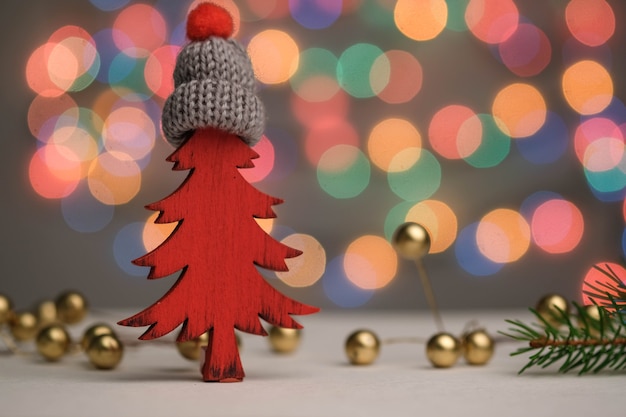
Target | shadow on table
(147,374)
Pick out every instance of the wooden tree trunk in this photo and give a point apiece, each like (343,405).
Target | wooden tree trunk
(221,357)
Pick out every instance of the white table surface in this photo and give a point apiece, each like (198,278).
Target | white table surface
(154,380)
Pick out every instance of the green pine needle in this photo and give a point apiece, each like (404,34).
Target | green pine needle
(580,340)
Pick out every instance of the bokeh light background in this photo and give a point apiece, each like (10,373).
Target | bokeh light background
(497,124)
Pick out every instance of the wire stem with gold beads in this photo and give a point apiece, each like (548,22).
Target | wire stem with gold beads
(430,295)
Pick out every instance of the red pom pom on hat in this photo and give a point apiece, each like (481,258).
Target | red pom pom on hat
(207,20)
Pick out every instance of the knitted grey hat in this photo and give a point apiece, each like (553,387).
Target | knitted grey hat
(214,87)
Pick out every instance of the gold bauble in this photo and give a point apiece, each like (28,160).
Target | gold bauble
(94,331)
(362,347)
(443,350)
(593,312)
(6,309)
(592,318)
(284,340)
(53,342)
(105,351)
(478,347)
(411,241)
(192,349)
(23,326)
(71,307)
(551,308)
(46,312)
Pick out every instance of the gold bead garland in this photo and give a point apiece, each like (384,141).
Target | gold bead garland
(192,349)
(94,331)
(478,347)
(551,307)
(71,307)
(281,341)
(53,342)
(46,312)
(46,325)
(284,340)
(23,326)
(593,317)
(443,350)
(105,351)
(412,241)
(362,347)
(6,309)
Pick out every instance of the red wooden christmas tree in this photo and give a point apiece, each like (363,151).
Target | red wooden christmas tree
(217,244)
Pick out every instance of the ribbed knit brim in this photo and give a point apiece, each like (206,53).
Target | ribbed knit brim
(214,87)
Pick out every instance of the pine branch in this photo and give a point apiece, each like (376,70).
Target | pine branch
(582,341)
(590,342)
